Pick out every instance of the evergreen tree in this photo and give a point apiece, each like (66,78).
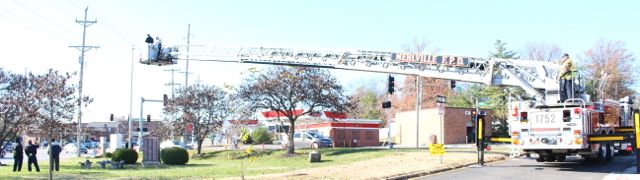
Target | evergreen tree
(502,52)
(495,98)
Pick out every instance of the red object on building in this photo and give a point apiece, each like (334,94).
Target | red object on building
(244,122)
(189,127)
(275,114)
(335,115)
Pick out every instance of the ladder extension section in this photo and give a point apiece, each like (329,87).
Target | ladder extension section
(533,76)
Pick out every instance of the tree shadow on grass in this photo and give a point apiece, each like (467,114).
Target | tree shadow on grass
(326,161)
(207,155)
(349,151)
(63,175)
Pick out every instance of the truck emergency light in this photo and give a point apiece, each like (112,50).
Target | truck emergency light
(577,132)
(577,110)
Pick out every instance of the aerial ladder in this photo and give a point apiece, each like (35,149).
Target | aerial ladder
(537,78)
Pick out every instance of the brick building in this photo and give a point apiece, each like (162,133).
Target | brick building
(344,132)
(458,127)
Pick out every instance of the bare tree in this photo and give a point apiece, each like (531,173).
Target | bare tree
(284,89)
(420,46)
(163,131)
(55,103)
(431,87)
(541,52)
(205,107)
(613,58)
(18,104)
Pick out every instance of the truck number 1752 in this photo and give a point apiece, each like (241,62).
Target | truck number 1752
(545,118)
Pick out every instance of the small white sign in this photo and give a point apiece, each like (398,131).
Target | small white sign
(441,99)
(441,108)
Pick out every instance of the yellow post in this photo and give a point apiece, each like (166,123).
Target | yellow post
(480,127)
(636,116)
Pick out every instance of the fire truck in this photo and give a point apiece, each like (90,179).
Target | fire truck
(543,126)
(593,130)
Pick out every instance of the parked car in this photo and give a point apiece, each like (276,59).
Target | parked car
(6,148)
(71,147)
(91,144)
(169,143)
(308,139)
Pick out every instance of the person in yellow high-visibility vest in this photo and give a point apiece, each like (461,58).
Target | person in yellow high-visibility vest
(566,74)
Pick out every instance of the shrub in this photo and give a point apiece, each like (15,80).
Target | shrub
(129,156)
(246,138)
(174,156)
(261,136)
(108,155)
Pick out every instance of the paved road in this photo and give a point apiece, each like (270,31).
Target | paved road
(525,168)
(42,157)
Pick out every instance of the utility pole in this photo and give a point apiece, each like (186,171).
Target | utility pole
(82,49)
(186,73)
(418,103)
(131,99)
(172,83)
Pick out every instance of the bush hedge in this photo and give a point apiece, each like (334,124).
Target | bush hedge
(174,156)
(129,156)
(108,155)
(261,136)
(246,137)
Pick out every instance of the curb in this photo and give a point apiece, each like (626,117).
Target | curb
(429,172)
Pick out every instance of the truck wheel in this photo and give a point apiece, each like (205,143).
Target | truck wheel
(610,153)
(540,159)
(550,158)
(561,157)
(602,152)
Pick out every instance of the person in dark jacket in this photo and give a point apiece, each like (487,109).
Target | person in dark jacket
(56,149)
(149,39)
(18,156)
(31,151)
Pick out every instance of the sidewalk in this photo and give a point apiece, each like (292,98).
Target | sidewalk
(397,166)
(627,174)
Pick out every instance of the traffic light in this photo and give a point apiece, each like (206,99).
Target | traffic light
(148,118)
(391,84)
(453,84)
(165,100)
(474,114)
(111,117)
(386,104)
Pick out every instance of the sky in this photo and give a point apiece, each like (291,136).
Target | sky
(36,35)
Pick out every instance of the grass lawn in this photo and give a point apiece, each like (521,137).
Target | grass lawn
(212,164)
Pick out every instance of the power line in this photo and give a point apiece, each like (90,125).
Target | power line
(109,26)
(24,23)
(57,7)
(45,18)
(110,29)
(172,83)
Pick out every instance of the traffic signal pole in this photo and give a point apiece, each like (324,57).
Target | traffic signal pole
(387,105)
(140,133)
